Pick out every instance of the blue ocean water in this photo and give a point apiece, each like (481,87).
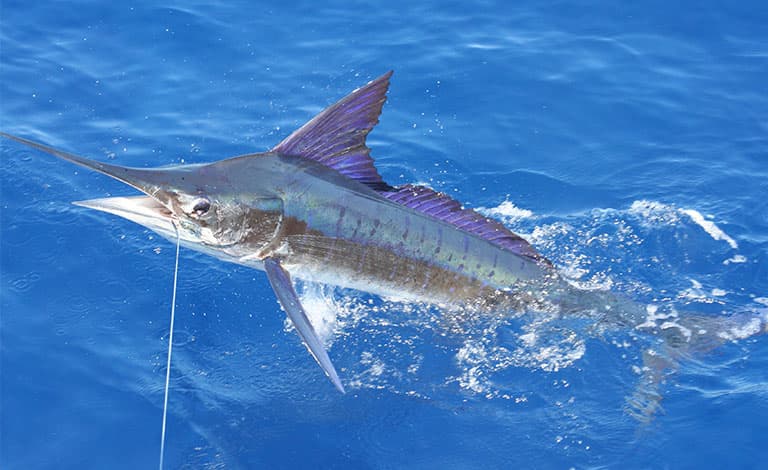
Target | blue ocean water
(626,142)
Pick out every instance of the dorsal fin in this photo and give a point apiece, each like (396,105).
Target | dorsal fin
(443,207)
(336,136)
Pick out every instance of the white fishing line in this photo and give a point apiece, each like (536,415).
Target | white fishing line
(170,347)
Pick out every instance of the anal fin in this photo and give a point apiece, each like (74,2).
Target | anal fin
(286,294)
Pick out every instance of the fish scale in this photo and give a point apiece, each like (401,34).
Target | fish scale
(316,208)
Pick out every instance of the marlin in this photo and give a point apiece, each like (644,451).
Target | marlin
(315,208)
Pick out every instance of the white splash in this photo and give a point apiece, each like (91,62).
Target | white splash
(507,212)
(713,230)
(654,213)
(556,357)
(763,301)
(472,358)
(652,317)
(736,259)
(321,310)
(683,330)
(699,294)
(544,347)
(750,328)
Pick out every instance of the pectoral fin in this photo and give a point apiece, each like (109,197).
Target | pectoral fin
(286,294)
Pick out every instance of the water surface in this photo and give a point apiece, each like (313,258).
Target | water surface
(628,143)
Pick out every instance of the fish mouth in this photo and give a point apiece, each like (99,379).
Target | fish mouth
(143,210)
(154,210)
(153,182)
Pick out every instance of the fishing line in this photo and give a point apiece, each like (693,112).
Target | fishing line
(170,347)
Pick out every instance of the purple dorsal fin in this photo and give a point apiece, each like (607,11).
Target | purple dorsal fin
(443,207)
(336,136)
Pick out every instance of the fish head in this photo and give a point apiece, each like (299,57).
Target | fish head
(203,205)
(224,207)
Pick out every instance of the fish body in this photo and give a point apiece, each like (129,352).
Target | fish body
(334,230)
(314,207)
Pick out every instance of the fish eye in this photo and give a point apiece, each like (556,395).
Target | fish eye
(201,206)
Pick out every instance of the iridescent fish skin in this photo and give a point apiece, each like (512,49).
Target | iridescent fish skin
(315,208)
